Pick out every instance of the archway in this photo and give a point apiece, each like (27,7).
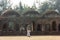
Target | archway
(47,27)
(39,27)
(54,26)
(11,26)
(17,27)
(5,27)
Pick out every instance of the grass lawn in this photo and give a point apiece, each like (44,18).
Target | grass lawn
(30,38)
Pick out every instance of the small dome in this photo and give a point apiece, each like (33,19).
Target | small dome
(31,12)
(10,13)
(51,13)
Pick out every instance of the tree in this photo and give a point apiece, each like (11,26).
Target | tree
(5,4)
(26,8)
(56,4)
(43,7)
(34,6)
(21,7)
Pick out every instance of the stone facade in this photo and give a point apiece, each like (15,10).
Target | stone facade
(11,23)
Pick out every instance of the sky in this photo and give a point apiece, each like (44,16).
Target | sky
(26,2)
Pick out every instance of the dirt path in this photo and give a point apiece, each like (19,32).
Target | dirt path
(30,38)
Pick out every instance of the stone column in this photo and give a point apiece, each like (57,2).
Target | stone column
(57,27)
(32,27)
(50,27)
(36,27)
(0,29)
(43,28)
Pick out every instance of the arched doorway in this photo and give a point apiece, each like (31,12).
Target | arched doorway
(11,26)
(39,27)
(5,27)
(17,27)
(47,27)
(54,26)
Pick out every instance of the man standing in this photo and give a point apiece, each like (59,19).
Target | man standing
(28,31)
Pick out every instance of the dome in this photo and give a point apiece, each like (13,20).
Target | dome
(51,13)
(10,13)
(31,13)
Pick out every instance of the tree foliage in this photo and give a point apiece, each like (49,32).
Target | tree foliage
(5,4)
(47,5)
(43,7)
(55,4)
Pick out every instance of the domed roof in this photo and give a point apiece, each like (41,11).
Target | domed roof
(51,13)
(31,12)
(9,13)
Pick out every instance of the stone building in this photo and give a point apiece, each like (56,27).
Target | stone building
(12,23)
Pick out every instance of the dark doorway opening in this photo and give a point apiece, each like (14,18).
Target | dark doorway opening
(39,27)
(17,27)
(59,27)
(53,26)
(5,27)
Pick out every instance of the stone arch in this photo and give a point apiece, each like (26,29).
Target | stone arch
(47,27)
(17,27)
(5,26)
(39,27)
(10,26)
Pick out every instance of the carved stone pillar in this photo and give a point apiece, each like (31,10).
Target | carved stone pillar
(43,28)
(57,28)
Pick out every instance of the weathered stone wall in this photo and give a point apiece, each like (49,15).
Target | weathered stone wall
(38,24)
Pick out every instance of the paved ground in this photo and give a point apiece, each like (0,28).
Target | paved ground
(30,38)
